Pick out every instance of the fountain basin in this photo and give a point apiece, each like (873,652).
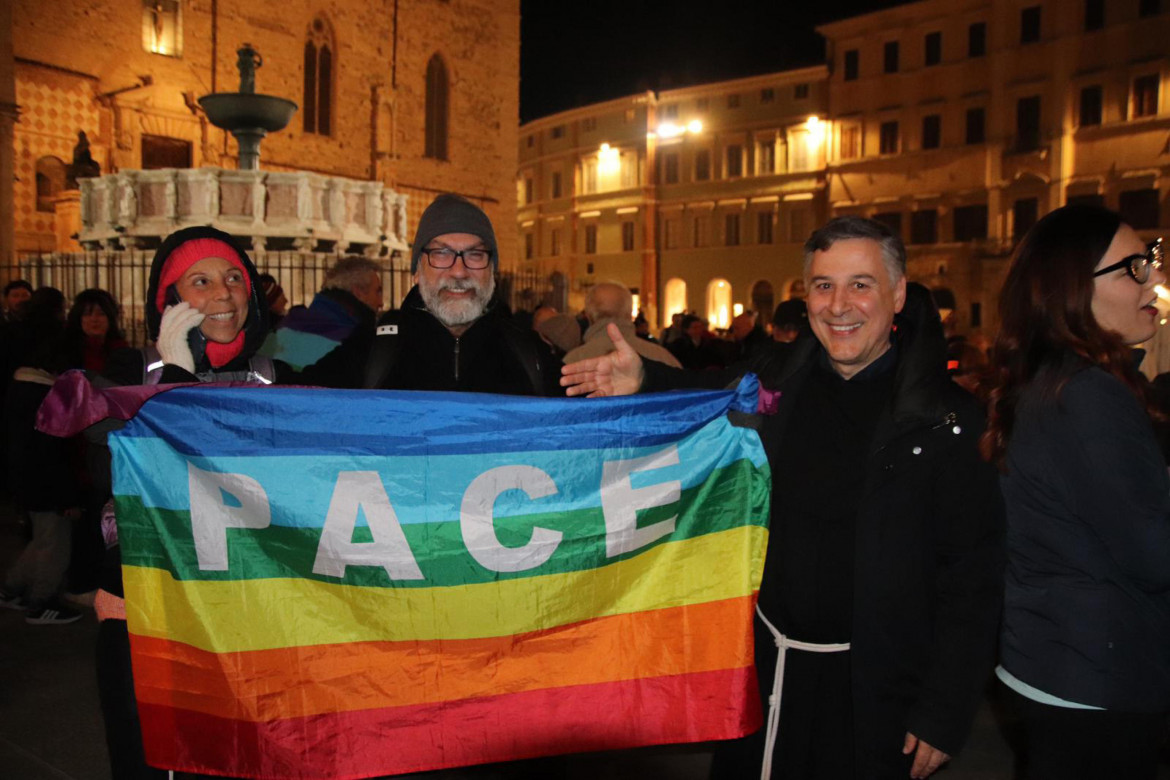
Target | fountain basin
(238,111)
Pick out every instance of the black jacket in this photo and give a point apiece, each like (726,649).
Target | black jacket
(493,356)
(928,578)
(1087,607)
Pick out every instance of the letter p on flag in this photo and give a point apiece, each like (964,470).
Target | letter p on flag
(211,515)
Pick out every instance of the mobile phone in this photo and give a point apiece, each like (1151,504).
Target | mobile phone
(196,341)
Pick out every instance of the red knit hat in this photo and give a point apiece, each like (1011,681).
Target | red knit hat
(188,254)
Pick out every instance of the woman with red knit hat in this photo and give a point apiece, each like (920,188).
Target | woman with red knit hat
(207,314)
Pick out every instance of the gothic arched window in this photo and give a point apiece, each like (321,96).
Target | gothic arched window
(317,109)
(436,117)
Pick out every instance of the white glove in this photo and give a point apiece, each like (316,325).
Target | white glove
(172,344)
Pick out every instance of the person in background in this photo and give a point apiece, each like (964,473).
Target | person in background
(790,321)
(674,331)
(610,302)
(42,481)
(349,300)
(747,337)
(696,349)
(642,328)
(16,294)
(1085,643)
(92,332)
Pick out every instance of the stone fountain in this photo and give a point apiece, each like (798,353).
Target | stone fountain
(245,114)
(274,210)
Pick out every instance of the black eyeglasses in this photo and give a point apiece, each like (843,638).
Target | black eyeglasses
(444,257)
(1138,266)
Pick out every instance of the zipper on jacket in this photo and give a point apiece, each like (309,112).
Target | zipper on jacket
(456,359)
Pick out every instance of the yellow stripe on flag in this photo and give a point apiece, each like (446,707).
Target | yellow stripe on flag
(243,615)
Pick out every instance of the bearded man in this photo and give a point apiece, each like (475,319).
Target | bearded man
(449,334)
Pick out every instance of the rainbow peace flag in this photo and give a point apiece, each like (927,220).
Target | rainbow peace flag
(350,584)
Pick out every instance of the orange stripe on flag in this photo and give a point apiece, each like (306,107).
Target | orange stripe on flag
(264,685)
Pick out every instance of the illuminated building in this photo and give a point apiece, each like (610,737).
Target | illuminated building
(702,195)
(957,122)
(420,95)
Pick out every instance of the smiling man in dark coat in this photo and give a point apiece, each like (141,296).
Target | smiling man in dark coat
(884,570)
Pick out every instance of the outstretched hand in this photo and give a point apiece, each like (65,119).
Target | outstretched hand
(618,373)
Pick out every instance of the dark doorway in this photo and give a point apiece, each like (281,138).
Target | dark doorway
(162,152)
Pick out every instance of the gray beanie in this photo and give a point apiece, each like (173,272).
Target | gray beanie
(450,213)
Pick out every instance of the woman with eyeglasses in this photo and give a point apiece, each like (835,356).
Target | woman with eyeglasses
(1085,643)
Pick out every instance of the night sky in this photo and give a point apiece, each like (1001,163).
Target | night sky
(576,53)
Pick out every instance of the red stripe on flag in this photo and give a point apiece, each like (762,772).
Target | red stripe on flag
(694,707)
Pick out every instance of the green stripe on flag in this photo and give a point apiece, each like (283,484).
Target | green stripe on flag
(159,538)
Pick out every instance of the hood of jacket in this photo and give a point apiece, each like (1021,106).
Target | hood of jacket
(255,327)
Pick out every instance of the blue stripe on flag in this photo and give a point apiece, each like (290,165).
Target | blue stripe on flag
(419,486)
(298,421)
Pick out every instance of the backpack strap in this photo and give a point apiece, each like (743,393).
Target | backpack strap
(385,351)
(152,365)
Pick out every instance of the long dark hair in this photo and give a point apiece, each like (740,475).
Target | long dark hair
(104,301)
(1047,330)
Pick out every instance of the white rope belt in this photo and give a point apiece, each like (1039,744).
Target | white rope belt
(784,644)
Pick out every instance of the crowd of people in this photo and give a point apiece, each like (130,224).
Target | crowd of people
(924,538)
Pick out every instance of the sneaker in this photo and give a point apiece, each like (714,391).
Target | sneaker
(12,601)
(52,615)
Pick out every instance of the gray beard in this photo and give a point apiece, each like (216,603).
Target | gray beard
(457,313)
